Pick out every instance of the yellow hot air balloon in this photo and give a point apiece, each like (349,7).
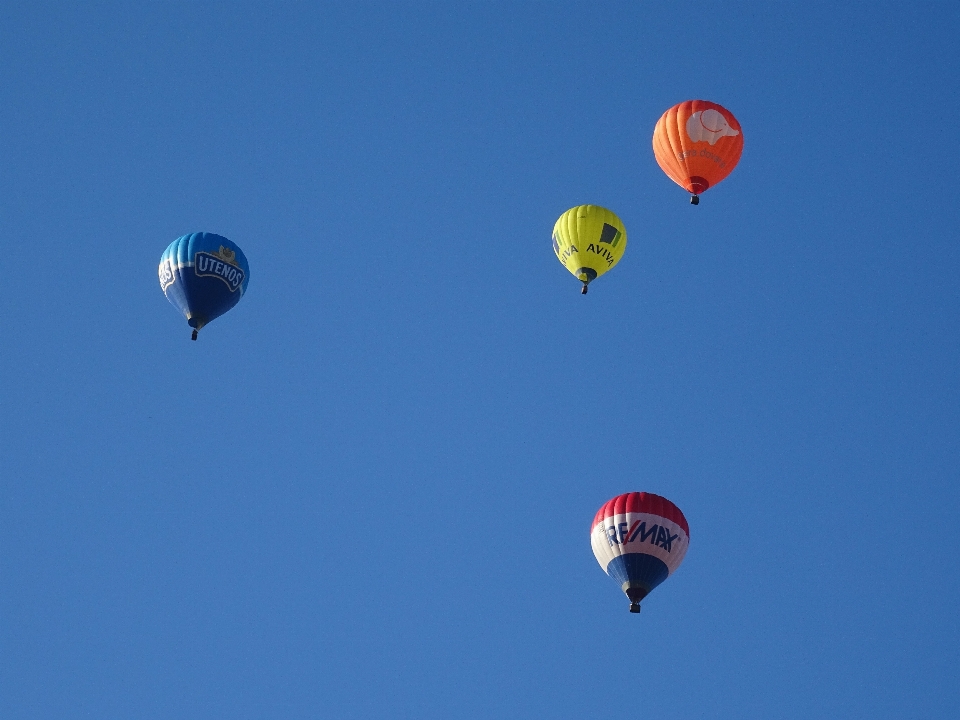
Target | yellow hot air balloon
(589,240)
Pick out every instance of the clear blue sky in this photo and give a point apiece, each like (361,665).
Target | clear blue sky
(366,491)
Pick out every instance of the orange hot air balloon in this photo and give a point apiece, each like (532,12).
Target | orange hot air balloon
(697,144)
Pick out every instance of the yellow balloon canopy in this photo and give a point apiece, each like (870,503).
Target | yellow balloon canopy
(589,240)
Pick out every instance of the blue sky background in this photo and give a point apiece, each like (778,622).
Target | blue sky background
(367,490)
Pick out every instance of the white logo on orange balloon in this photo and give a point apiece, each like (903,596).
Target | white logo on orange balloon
(709,125)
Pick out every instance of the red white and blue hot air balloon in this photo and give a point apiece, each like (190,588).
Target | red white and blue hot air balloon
(639,539)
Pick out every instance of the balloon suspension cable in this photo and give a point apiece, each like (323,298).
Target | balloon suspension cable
(194,336)
(634,607)
(694,199)
(583,290)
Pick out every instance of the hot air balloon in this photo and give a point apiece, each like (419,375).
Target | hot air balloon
(203,275)
(639,539)
(697,144)
(589,240)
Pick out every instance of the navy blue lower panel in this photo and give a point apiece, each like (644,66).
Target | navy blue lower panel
(641,570)
(204,298)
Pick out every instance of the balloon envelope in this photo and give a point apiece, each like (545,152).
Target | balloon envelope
(639,539)
(589,240)
(697,143)
(203,275)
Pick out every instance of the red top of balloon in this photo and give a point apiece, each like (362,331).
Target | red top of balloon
(641,502)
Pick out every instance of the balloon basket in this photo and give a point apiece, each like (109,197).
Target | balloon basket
(634,607)
(194,335)
(694,199)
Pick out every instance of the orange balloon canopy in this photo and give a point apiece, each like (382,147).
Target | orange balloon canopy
(697,144)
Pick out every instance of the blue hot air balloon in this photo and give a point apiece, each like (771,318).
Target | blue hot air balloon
(203,275)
